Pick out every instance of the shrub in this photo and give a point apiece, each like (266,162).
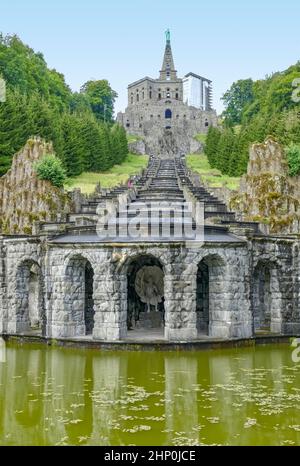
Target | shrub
(293,157)
(50,168)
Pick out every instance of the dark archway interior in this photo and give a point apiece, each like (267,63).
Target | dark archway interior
(202,298)
(261,297)
(89,300)
(30,297)
(138,315)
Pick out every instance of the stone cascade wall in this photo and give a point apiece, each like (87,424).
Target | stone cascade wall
(267,194)
(24,199)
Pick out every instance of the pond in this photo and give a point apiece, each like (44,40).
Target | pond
(65,396)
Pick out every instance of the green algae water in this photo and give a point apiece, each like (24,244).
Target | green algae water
(64,396)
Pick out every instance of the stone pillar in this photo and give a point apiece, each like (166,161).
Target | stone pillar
(236,297)
(110,305)
(180,303)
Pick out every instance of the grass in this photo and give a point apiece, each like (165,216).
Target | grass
(116,175)
(213,177)
(201,137)
(132,138)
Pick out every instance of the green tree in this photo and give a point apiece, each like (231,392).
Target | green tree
(293,157)
(211,145)
(50,168)
(101,98)
(236,99)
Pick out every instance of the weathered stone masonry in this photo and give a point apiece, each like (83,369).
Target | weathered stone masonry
(232,283)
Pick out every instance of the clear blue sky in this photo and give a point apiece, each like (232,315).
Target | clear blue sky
(123,40)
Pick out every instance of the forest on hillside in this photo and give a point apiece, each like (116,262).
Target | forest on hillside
(254,110)
(39,102)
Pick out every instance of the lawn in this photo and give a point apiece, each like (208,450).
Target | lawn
(201,137)
(199,164)
(132,138)
(116,175)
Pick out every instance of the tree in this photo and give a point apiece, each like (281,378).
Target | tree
(225,149)
(211,146)
(101,98)
(50,168)
(73,150)
(236,99)
(293,156)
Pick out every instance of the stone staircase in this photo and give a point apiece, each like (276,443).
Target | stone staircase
(159,207)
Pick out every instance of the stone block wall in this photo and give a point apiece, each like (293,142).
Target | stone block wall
(231,269)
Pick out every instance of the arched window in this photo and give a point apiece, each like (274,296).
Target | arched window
(159,96)
(168,113)
(137,97)
(177,95)
(206,123)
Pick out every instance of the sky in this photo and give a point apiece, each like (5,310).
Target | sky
(123,40)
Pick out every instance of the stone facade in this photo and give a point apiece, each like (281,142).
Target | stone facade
(232,287)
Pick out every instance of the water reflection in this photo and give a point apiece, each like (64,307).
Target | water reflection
(57,396)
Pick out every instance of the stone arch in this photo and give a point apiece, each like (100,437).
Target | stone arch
(266,297)
(210,282)
(79,297)
(168,113)
(30,304)
(144,275)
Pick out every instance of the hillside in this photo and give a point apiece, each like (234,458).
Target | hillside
(254,110)
(40,103)
(118,174)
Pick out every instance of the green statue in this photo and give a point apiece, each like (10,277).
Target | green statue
(168,35)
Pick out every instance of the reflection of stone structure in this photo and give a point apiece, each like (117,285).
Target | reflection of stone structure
(159,106)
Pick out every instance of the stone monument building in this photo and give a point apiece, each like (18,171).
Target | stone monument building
(169,105)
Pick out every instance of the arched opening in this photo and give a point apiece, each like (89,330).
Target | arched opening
(145,295)
(79,299)
(266,298)
(209,293)
(168,113)
(30,309)
(206,124)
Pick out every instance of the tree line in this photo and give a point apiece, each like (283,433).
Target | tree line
(39,102)
(253,111)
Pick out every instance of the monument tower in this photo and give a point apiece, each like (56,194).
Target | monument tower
(180,106)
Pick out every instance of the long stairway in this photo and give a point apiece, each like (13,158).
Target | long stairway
(158,208)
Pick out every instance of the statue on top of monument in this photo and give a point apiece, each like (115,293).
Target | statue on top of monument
(168,35)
